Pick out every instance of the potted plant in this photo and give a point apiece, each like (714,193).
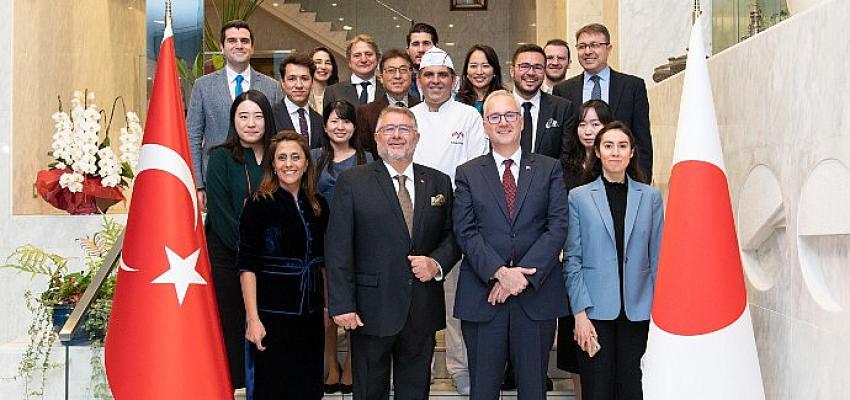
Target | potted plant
(51,307)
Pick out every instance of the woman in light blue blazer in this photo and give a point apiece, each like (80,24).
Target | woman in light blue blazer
(612,257)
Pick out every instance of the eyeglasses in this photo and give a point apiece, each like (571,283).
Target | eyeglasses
(592,45)
(400,70)
(495,118)
(391,129)
(524,67)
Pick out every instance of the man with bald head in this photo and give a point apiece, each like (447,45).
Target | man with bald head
(510,221)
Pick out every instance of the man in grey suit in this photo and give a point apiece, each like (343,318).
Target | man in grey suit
(212,95)
(547,120)
(625,94)
(293,113)
(363,88)
(510,222)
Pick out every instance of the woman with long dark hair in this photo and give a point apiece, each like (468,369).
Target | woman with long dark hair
(233,173)
(340,151)
(281,262)
(612,258)
(481,75)
(326,74)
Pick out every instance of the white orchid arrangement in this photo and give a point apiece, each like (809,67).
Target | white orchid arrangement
(76,148)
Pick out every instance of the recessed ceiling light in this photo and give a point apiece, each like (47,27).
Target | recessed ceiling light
(451,25)
(341,19)
(533,24)
(398,26)
(450,44)
(275,4)
(347,28)
(333,4)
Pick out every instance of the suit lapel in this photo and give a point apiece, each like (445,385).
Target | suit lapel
(316,129)
(350,93)
(422,183)
(543,115)
(526,175)
(491,175)
(388,188)
(575,88)
(597,191)
(615,90)
(224,89)
(632,205)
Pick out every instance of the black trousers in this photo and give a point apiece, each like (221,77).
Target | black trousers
(408,353)
(614,373)
(231,309)
(487,350)
(292,365)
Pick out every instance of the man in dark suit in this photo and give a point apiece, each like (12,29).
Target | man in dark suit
(547,120)
(389,244)
(396,71)
(363,88)
(625,94)
(212,95)
(510,221)
(293,113)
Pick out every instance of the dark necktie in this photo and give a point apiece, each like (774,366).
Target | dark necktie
(510,187)
(364,92)
(405,203)
(527,126)
(399,104)
(302,122)
(596,92)
(239,79)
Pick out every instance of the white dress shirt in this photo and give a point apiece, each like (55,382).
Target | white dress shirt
(500,164)
(355,80)
(231,80)
(292,109)
(535,111)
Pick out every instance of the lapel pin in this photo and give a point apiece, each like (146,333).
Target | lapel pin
(528,168)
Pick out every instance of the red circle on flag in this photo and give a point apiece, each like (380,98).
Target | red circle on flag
(700,284)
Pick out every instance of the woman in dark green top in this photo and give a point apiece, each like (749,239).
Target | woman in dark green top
(233,173)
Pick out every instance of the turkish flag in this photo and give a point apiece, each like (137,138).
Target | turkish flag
(701,344)
(164,339)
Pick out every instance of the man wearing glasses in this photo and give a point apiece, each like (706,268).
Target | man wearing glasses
(625,94)
(510,222)
(396,70)
(547,120)
(390,243)
(452,134)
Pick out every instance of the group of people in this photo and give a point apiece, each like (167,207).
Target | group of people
(416,197)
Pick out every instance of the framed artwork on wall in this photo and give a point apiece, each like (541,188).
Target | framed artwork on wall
(469,5)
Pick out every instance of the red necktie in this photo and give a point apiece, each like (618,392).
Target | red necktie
(510,187)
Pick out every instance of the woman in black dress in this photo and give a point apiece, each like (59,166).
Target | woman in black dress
(281,256)
(592,116)
(234,171)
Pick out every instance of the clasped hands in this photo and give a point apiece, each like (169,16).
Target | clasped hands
(424,268)
(509,282)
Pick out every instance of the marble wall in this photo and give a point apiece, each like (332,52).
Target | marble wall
(784,127)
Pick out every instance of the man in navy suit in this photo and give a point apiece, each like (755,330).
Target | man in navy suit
(510,221)
(293,113)
(625,94)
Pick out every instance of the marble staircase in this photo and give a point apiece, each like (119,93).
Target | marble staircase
(305,22)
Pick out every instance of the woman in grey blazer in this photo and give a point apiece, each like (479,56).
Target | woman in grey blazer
(612,257)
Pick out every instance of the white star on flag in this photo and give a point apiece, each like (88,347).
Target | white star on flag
(181,273)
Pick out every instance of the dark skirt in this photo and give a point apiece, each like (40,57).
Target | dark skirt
(568,349)
(292,365)
(231,309)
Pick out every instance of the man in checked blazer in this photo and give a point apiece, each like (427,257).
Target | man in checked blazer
(625,94)
(213,94)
